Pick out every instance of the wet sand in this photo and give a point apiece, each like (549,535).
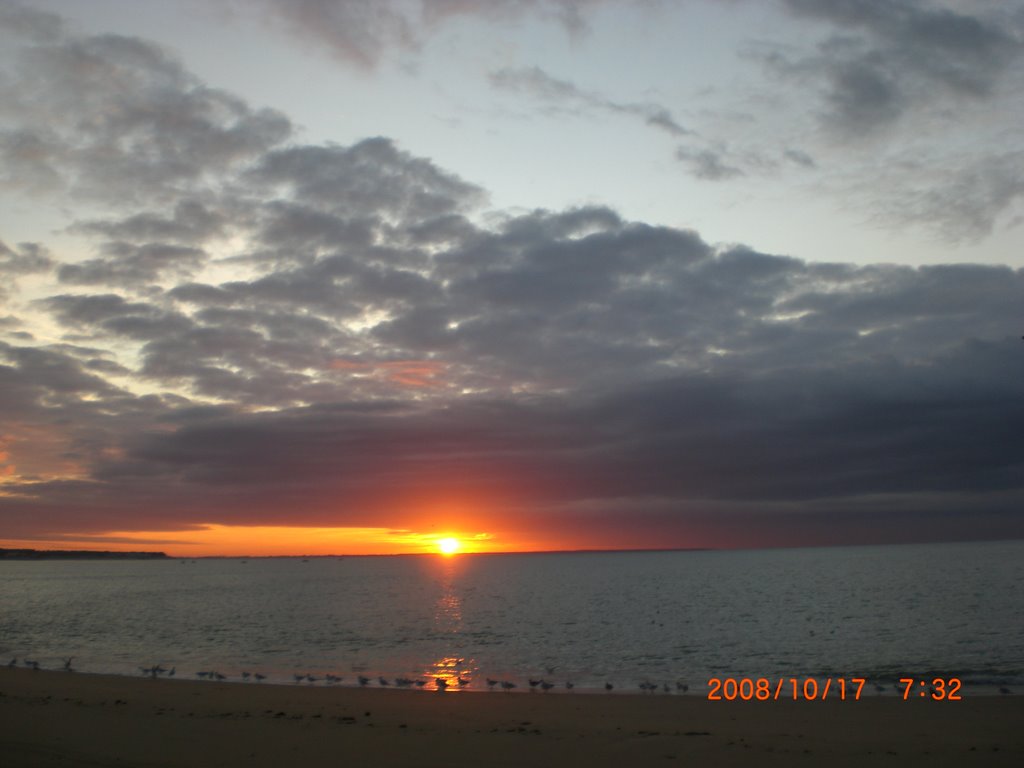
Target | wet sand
(73,719)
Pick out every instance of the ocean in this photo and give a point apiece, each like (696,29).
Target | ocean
(671,618)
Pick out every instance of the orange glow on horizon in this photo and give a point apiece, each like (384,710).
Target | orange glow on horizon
(270,541)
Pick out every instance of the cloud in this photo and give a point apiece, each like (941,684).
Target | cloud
(906,96)
(967,199)
(647,366)
(604,360)
(192,222)
(360,32)
(558,93)
(799,157)
(707,164)
(20,22)
(116,118)
(860,438)
(27,259)
(372,177)
(886,58)
(126,264)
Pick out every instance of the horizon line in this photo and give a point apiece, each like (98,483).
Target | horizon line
(583,551)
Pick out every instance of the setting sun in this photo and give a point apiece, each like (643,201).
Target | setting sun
(448,546)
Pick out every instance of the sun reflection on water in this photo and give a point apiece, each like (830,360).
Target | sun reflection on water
(452,673)
(449,672)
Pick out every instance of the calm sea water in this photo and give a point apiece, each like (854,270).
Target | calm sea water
(951,610)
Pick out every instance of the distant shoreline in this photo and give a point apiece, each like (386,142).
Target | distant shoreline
(88,554)
(339,555)
(54,554)
(77,554)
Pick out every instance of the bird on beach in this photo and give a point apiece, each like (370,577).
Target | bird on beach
(299,678)
(259,677)
(12,662)
(201,674)
(1004,690)
(491,683)
(67,664)
(419,683)
(312,678)
(608,686)
(507,685)
(219,676)
(333,678)
(681,686)
(463,682)
(534,683)
(383,680)
(363,681)
(442,684)
(546,686)
(246,675)
(569,685)
(172,672)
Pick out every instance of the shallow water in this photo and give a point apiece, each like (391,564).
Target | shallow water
(949,610)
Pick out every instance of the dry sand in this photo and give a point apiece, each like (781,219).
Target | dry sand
(74,719)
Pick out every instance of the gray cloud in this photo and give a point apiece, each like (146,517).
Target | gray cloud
(28,258)
(861,437)
(889,57)
(862,97)
(707,164)
(607,362)
(799,157)
(126,264)
(65,121)
(971,196)
(20,22)
(961,52)
(909,81)
(361,31)
(372,177)
(192,222)
(561,94)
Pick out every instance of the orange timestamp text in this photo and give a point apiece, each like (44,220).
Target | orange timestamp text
(821,689)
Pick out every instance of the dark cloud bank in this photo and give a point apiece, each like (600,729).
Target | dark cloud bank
(370,344)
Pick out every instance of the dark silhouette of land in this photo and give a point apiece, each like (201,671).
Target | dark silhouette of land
(76,554)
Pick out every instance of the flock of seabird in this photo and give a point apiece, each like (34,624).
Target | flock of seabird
(440,683)
(34,665)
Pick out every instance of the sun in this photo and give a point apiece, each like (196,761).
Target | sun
(448,546)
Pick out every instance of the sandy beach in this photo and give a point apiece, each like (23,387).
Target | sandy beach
(60,719)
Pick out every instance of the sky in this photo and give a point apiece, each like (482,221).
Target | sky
(342,276)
